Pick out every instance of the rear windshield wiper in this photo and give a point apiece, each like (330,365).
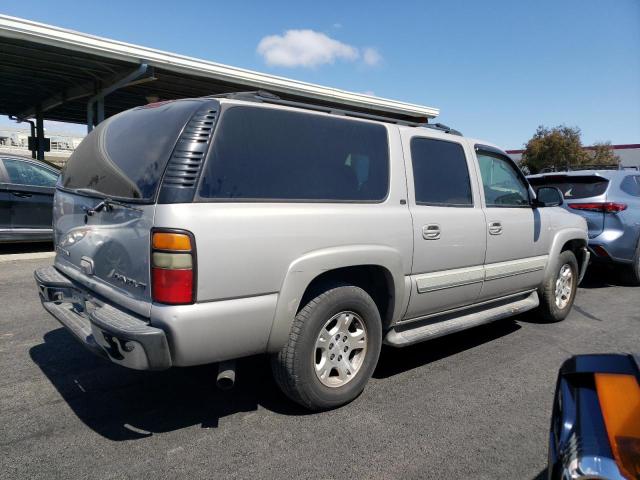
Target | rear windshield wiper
(107,205)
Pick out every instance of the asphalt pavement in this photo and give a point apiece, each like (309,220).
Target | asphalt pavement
(472,405)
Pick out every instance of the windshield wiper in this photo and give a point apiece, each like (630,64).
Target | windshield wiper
(107,205)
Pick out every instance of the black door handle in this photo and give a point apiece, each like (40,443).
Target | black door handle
(21,194)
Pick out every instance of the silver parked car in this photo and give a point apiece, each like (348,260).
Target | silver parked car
(610,202)
(205,230)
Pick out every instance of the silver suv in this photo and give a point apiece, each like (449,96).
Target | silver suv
(205,230)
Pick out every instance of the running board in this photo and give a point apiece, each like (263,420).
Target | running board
(408,336)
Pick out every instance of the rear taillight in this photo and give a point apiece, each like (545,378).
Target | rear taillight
(606,207)
(172,267)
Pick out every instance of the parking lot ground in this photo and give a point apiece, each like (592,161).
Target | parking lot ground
(472,405)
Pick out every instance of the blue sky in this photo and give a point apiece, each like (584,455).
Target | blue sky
(496,69)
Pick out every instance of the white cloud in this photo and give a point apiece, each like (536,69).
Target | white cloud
(371,57)
(371,93)
(308,48)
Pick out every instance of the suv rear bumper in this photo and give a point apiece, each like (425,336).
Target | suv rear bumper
(105,330)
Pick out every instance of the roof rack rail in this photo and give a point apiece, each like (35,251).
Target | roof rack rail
(264,96)
(443,128)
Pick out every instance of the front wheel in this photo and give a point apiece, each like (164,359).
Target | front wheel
(559,290)
(333,348)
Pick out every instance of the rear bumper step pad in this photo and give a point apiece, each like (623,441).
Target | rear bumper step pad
(104,329)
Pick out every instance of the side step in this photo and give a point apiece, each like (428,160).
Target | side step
(402,337)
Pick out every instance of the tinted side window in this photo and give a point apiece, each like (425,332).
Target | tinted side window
(631,185)
(24,173)
(268,154)
(503,186)
(440,173)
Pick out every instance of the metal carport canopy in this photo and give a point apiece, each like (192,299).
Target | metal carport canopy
(59,70)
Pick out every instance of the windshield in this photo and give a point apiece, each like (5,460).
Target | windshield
(125,156)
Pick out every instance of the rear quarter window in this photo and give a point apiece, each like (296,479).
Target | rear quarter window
(262,154)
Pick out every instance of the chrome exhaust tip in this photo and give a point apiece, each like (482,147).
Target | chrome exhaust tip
(226,375)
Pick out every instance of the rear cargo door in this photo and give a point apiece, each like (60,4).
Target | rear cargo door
(107,251)
(105,201)
(579,189)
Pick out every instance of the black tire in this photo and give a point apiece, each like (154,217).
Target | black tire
(548,308)
(294,366)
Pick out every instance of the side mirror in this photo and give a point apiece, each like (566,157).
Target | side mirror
(549,197)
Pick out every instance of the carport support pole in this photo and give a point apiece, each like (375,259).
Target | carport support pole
(40,132)
(98,99)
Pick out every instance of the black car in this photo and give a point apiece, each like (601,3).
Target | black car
(26,199)
(595,425)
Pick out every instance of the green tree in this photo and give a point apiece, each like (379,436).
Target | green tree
(557,147)
(603,154)
(561,148)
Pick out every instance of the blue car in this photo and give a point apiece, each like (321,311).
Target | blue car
(610,202)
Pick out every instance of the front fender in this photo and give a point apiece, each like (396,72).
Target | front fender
(305,269)
(559,241)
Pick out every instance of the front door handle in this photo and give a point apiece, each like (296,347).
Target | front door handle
(431,231)
(495,228)
(21,194)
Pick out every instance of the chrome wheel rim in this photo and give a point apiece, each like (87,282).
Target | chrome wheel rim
(564,286)
(340,350)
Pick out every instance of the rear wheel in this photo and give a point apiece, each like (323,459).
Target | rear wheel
(559,290)
(332,351)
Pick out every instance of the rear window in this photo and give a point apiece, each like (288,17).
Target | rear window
(267,154)
(573,187)
(125,156)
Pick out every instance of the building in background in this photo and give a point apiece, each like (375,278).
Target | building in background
(14,140)
(629,154)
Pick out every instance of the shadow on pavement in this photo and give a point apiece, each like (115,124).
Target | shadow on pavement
(122,404)
(543,475)
(397,360)
(601,276)
(11,248)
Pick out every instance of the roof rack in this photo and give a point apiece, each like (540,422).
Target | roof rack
(263,96)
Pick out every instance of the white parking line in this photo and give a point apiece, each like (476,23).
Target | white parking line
(10,257)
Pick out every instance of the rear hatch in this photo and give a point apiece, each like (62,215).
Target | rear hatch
(579,189)
(105,201)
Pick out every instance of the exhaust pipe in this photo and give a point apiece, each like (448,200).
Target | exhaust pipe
(226,375)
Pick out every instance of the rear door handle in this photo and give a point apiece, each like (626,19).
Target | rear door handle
(431,231)
(21,194)
(495,228)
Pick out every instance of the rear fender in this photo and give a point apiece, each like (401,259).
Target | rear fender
(305,269)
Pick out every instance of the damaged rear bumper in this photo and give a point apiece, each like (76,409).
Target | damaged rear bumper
(107,331)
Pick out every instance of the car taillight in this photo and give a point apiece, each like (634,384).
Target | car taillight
(172,267)
(606,207)
(619,397)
